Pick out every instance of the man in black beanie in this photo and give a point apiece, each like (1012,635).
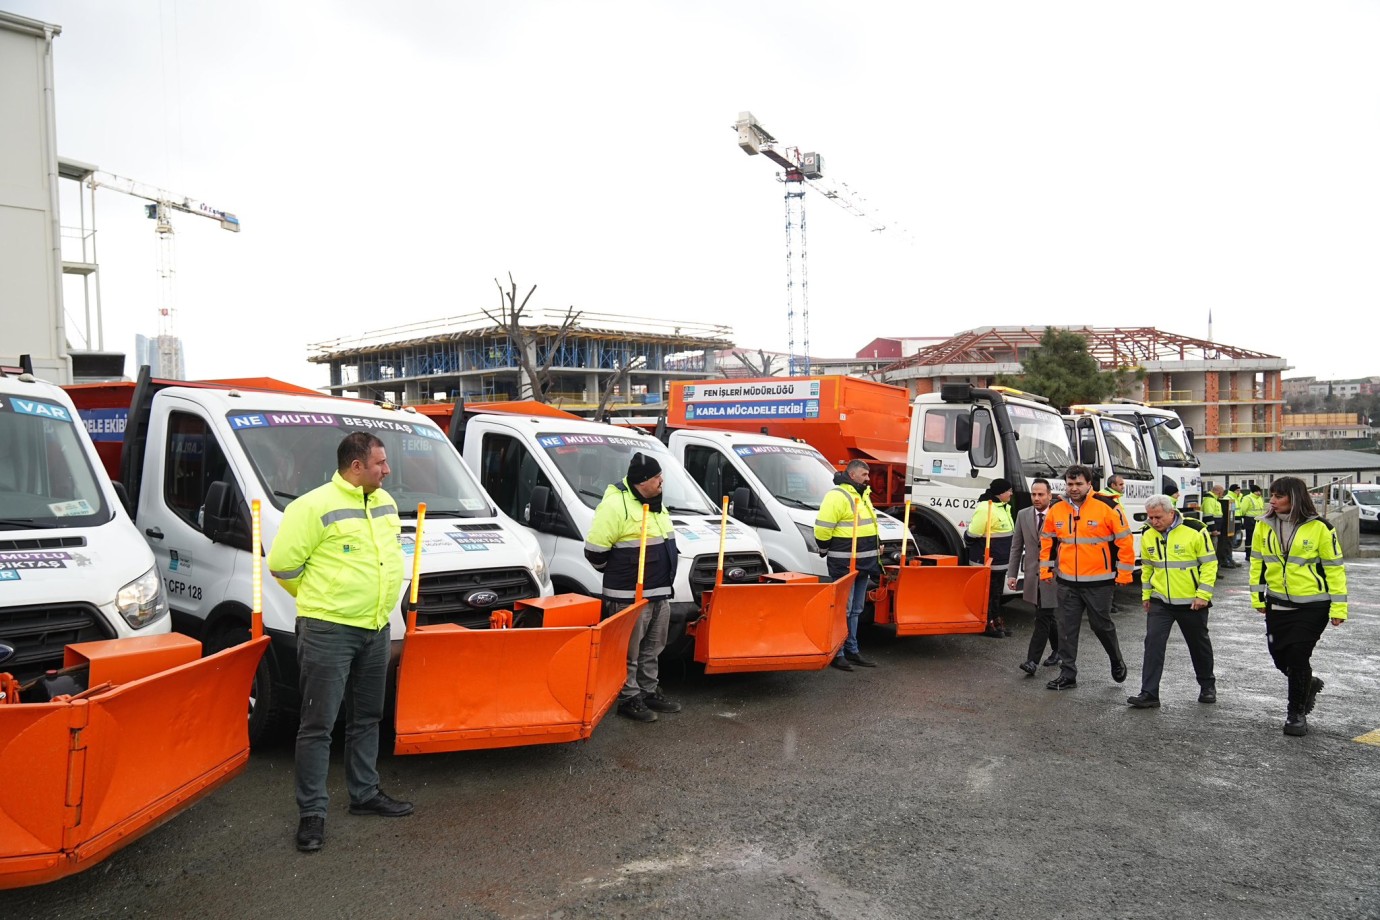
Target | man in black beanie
(612,547)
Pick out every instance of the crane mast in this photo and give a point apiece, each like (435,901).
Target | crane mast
(798,171)
(162,204)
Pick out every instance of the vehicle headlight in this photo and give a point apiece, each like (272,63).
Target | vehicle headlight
(142,601)
(808,534)
(539,569)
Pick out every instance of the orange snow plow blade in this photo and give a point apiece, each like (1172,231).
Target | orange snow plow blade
(795,623)
(465,689)
(85,775)
(933,596)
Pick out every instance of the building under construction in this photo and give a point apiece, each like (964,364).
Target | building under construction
(1231,397)
(474,358)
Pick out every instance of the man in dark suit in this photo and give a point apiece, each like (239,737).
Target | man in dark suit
(1042,595)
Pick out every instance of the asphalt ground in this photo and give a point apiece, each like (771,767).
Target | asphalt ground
(943,783)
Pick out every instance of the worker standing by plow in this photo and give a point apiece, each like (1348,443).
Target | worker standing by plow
(612,547)
(338,553)
(1087,549)
(849,501)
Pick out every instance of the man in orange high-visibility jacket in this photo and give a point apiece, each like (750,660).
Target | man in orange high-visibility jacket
(1087,548)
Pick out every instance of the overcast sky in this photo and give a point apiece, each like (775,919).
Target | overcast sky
(1102,162)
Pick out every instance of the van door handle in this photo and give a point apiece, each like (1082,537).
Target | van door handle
(154,532)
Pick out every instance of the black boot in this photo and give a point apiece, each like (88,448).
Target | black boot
(1300,681)
(1315,686)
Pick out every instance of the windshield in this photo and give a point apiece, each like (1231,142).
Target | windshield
(796,476)
(1366,496)
(1041,439)
(46,477)
(1124,449)
(593,462)
(1171,444)
(294,452)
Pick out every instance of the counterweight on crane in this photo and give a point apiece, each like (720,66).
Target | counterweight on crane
(800,170)
(162,204)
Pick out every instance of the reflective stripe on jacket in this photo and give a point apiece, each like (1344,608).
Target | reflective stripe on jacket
(1000,515)
(338,552)
(1179,564)
(1087,545)
(834,526)
(1308,570)
(614,543)
(1251,505)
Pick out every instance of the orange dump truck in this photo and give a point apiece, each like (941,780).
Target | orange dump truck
(773,445)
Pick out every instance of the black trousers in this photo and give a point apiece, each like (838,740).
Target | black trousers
(1096,602)
(1223,549)
(1045,630)
(1291,635)
(1159,622)
(1248,528)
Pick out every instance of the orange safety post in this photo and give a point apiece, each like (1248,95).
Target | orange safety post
(256,616)
(641,556)
(905,533)
(416,570)
(723,539)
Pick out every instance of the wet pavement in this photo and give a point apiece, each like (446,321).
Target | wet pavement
(942,783)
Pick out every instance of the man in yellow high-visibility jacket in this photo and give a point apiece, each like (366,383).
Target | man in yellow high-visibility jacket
(834,536)
(337,552)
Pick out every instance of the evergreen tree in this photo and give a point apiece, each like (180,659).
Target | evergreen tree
(1063,371)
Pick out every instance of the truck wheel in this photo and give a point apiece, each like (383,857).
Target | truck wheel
(264,720)
(929,546)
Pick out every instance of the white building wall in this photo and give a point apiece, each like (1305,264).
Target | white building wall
(30,243)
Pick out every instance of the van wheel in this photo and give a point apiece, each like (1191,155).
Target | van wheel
(264,720)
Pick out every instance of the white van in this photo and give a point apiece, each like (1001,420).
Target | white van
(195,456)
(73,568)
(776,486)
(550,473)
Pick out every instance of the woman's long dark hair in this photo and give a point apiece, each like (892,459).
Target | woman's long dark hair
(1301,507)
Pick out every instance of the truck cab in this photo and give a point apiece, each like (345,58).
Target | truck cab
(72,565)
(193,458)
(964,437)
(1168,445)
(549,472)
(776,486)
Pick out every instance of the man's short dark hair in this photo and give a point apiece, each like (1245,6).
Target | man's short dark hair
(1040,482)
(1078,471)
(357,445)
(856,465)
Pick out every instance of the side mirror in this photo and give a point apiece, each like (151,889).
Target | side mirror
(538,512)
(963,433)
(221,518)
(1188,435)
(743,505)
(1087,452)
(1173,423)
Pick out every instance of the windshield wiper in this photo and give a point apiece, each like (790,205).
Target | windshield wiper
(440,513)
(598,495)
(16,522)
(676,509)
(795,501)
(1045,463)
(288,495)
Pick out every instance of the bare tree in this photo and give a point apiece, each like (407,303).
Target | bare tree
(762,367)
(509,319)
(617,383)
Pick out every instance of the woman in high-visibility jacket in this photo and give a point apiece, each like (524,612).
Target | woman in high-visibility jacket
(989,539)
(1299,582)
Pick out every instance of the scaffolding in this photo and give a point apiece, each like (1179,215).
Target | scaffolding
(469,357)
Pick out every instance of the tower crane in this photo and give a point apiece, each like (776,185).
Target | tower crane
(800,170)
(161,205)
